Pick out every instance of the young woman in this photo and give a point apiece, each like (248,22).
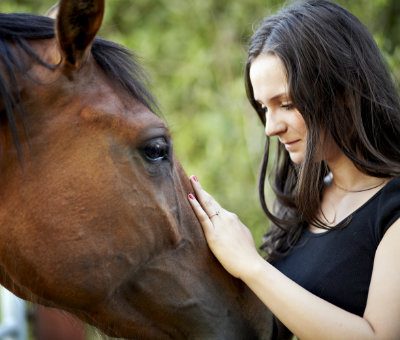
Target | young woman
(319,84)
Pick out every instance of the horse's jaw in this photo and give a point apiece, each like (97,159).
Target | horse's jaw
(155,303)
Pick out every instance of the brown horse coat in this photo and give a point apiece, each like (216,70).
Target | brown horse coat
(94,217)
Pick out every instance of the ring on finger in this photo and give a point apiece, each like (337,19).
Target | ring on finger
(215,214)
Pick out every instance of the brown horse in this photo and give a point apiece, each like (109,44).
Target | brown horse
(94,217)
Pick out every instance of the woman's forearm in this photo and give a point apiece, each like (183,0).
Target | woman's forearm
(306,315)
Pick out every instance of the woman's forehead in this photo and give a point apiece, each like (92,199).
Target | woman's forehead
(268,78)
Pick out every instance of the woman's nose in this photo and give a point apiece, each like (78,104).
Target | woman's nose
(273,125)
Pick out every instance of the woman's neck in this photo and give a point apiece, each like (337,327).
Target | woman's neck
(347,177)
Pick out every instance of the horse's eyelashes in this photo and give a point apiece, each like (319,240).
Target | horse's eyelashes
(156,150)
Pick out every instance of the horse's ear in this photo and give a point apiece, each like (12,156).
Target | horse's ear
(77,24)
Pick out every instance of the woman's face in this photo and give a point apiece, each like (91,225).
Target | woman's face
(270,88)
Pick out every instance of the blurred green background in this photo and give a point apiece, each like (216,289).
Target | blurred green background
(194,52)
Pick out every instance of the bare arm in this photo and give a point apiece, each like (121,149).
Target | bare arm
(306,315)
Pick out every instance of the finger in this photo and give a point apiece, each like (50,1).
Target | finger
(209,204)
(201,215)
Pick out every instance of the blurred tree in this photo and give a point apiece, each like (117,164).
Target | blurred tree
(389,20)
(195,51)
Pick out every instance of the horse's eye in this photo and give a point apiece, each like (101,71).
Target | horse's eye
(156,150)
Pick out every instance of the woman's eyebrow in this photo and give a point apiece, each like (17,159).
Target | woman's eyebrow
(279,96)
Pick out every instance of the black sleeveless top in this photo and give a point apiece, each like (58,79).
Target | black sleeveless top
(337,265)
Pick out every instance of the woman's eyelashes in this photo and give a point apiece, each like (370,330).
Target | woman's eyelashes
(287,106)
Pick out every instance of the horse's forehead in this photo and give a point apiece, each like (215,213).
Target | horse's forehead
(134,122)
(109,105)
(100,101)
(47,50)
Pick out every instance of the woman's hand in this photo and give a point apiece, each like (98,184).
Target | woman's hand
(228,238)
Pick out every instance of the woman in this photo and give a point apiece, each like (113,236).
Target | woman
(319,84)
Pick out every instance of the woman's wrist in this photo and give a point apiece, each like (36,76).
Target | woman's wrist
(254,270)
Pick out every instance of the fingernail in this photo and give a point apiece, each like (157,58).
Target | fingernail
(191,197)
(195,178)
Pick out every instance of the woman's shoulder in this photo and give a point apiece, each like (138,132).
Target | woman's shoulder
(393,184)
(390,193)
(388,207)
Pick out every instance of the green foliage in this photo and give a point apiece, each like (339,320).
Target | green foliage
(194,51)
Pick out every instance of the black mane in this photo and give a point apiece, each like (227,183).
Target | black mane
(117,62)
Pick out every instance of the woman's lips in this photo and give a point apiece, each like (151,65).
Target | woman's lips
(290,145)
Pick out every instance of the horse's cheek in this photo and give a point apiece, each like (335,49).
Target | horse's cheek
(100,247)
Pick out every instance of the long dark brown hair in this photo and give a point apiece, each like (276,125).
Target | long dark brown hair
(339,82)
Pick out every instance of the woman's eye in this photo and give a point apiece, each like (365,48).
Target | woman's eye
(156,150)
(287,106)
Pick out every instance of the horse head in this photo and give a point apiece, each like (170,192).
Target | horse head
(94,216)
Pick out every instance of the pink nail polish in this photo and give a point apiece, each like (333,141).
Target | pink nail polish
(191,196)
(195,178)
